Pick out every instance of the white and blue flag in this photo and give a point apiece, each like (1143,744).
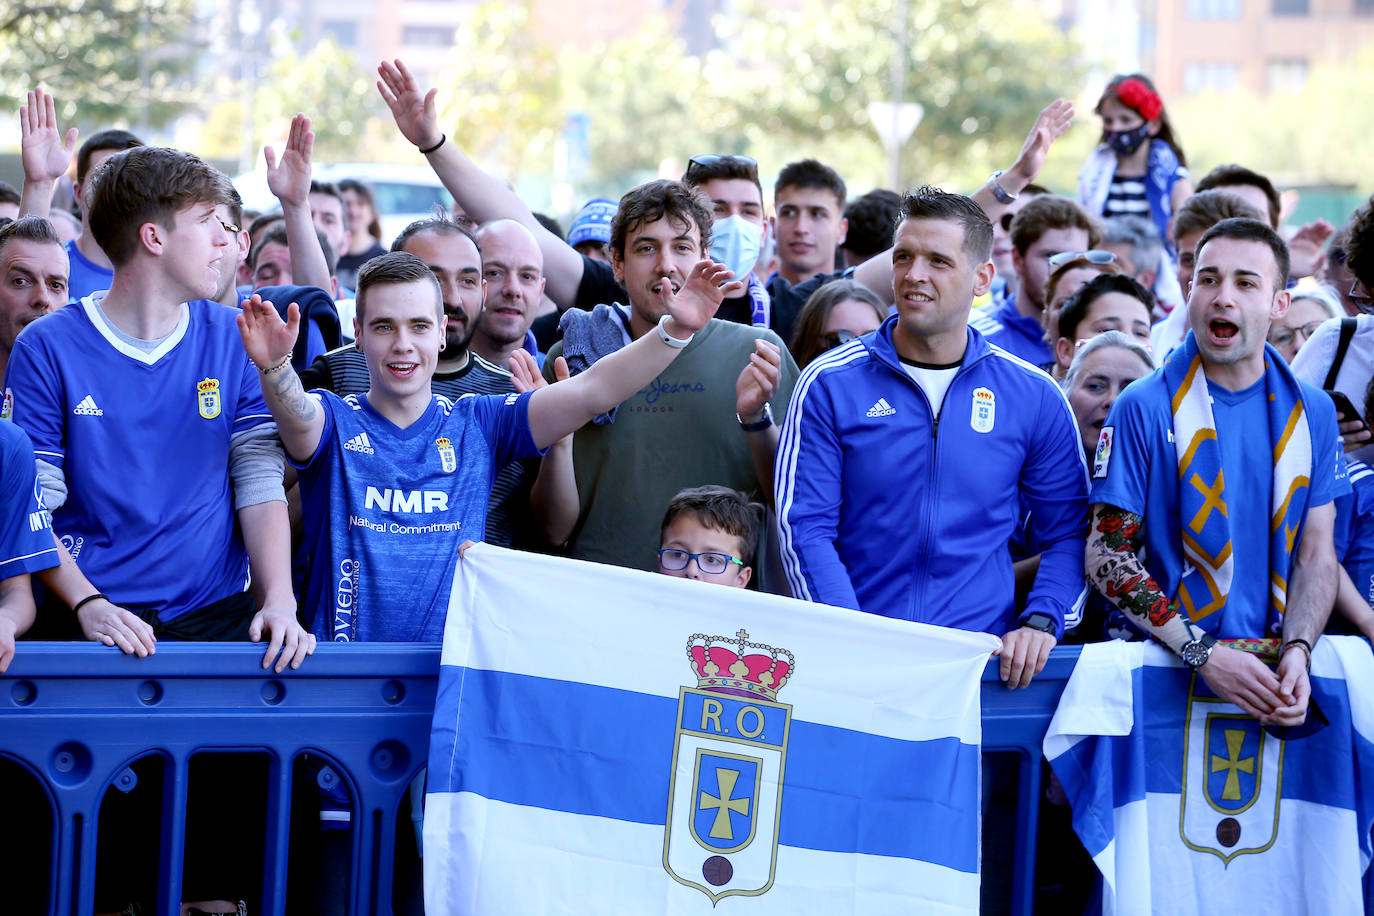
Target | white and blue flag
(1189,807)
(609,740)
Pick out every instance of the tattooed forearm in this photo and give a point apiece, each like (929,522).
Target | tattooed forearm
(1113,567)
(289,395)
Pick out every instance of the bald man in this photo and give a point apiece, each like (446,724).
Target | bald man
(513,269)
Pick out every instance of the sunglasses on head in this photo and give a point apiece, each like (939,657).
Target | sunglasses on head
(835,338)
(710,160)
(1092,256)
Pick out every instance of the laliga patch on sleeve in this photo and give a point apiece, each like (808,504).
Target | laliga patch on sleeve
(1103,456)
(7,405)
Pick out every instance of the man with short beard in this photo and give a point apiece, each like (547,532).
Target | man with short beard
(452,255)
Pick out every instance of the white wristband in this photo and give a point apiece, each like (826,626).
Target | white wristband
(669,339)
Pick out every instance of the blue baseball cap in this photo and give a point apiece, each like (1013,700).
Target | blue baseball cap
(593,222)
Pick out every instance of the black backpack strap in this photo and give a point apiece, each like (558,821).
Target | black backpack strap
(1342,345)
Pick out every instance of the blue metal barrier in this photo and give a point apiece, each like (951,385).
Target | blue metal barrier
(77,715)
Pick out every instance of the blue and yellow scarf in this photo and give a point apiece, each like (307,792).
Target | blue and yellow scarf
(1206,579)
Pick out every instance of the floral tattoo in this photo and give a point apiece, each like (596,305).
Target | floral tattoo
(1118,571)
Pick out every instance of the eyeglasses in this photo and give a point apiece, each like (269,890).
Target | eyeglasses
(713,564)
(1359,294)
(835,338)
(1282,336)
(711,160)
(229,227)
(1092,256)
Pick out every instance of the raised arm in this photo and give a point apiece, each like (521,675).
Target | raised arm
(289,180)
(1054,119)
(45,153)
(753,390)
(553,496)
(268,341)
(566,406)
(483,197)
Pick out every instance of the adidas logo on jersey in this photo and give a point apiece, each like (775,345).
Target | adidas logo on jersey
(881,409)
(359,443)
(87,408)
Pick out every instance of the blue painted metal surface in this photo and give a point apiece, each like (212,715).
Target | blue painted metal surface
(77,715)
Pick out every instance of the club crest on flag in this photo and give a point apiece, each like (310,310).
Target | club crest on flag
(1232,779)
(207,395)
(446,455)
(725,794)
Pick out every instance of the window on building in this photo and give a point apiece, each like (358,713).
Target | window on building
(1215,75)
(427,36)
(343,31)
(1286,73)
(1214,9)
(1291,7)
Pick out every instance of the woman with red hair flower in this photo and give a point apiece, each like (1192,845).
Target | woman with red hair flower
(1139,168)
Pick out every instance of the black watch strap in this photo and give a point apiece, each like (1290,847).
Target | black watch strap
(1038,621)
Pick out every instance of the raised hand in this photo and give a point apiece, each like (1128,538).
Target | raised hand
(1305,248)
(755,386)
(289,179)
(1054,119)
(413,110)
(46,155)
(525,374)
(696,302)
(267,339)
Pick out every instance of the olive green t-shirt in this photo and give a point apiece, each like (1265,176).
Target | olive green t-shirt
(678,431)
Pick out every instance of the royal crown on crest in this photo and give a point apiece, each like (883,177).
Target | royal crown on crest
(209,384)
(734,665)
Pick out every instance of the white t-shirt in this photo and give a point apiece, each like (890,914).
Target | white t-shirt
(1313,362)
(933,381)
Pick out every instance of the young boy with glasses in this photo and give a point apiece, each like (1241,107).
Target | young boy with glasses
(709,534)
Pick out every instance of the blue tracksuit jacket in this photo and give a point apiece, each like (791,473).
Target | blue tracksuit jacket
(885,510)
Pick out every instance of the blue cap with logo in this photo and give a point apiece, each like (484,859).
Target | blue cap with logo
(593,222)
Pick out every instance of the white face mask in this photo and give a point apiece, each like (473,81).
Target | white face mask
(735,242)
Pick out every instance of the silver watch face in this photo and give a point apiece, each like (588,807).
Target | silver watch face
(1195,654)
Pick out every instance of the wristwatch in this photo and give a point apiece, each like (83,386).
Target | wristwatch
(1003,196)
(758,425)
(1038,621)
(1196,653)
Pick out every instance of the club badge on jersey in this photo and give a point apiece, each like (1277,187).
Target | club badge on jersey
(447,457)
(207,391)
(984,410)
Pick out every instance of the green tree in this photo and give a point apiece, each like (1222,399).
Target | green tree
(330,86)
(502,94)
(649,102)
(982,69)
(1318,134)
(126,62)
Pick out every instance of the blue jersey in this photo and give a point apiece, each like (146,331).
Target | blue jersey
(85,277)
(385,510)
(26,543)
(1354,532)
(143,440)
(1004,326)
(1139,474)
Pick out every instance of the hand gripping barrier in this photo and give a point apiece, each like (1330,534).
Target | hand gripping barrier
(75,716)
